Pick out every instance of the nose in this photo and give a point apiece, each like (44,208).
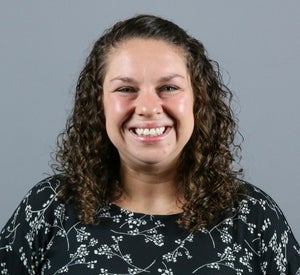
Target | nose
(148,103)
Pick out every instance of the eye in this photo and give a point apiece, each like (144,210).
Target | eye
(126,89)
(168,88)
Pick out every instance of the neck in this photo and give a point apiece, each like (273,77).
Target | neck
(149,191)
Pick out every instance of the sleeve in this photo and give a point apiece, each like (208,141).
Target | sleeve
(24,238)
(280,251)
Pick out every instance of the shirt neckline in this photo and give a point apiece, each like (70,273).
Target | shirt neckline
(119,209)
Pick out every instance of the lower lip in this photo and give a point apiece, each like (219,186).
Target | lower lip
(151,139)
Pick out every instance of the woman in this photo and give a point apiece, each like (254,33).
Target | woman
(146,183)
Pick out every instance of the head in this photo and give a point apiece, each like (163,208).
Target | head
(87,151)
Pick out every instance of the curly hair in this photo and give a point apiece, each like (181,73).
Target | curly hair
(90,163)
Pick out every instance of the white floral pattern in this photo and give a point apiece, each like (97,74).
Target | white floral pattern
(44,237)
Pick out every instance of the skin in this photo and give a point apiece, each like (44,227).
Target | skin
(148,104)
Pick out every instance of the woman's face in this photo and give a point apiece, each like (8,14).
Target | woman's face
(148,102)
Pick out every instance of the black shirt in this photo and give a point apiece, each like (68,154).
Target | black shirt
(44,237)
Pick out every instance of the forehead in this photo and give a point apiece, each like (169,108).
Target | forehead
(136,42)
(142,52)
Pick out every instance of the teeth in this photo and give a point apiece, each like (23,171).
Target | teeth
(149,132)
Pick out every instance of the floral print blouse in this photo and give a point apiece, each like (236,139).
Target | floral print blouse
(44,237)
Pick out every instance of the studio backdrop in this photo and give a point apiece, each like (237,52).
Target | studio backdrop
(44,45)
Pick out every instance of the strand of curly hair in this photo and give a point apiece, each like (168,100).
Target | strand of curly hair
(206,169)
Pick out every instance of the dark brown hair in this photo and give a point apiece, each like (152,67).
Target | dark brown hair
(90,162)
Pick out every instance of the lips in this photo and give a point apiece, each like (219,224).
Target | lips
(149,132)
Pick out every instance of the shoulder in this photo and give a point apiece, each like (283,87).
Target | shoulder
(268,226)
(38,210)
(41,198)
(259,200)
(44,191)
(38,204)
(29,229)
(261,209)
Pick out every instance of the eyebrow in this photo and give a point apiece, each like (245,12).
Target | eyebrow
(170,77)
(131,80)
(123,79)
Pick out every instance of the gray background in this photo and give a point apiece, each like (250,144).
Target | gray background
(43,45)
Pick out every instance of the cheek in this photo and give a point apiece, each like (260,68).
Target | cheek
(118,108)
(116,111)
(185,114)
(185,107)
(113,107)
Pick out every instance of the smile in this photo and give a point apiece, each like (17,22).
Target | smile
(149,132)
